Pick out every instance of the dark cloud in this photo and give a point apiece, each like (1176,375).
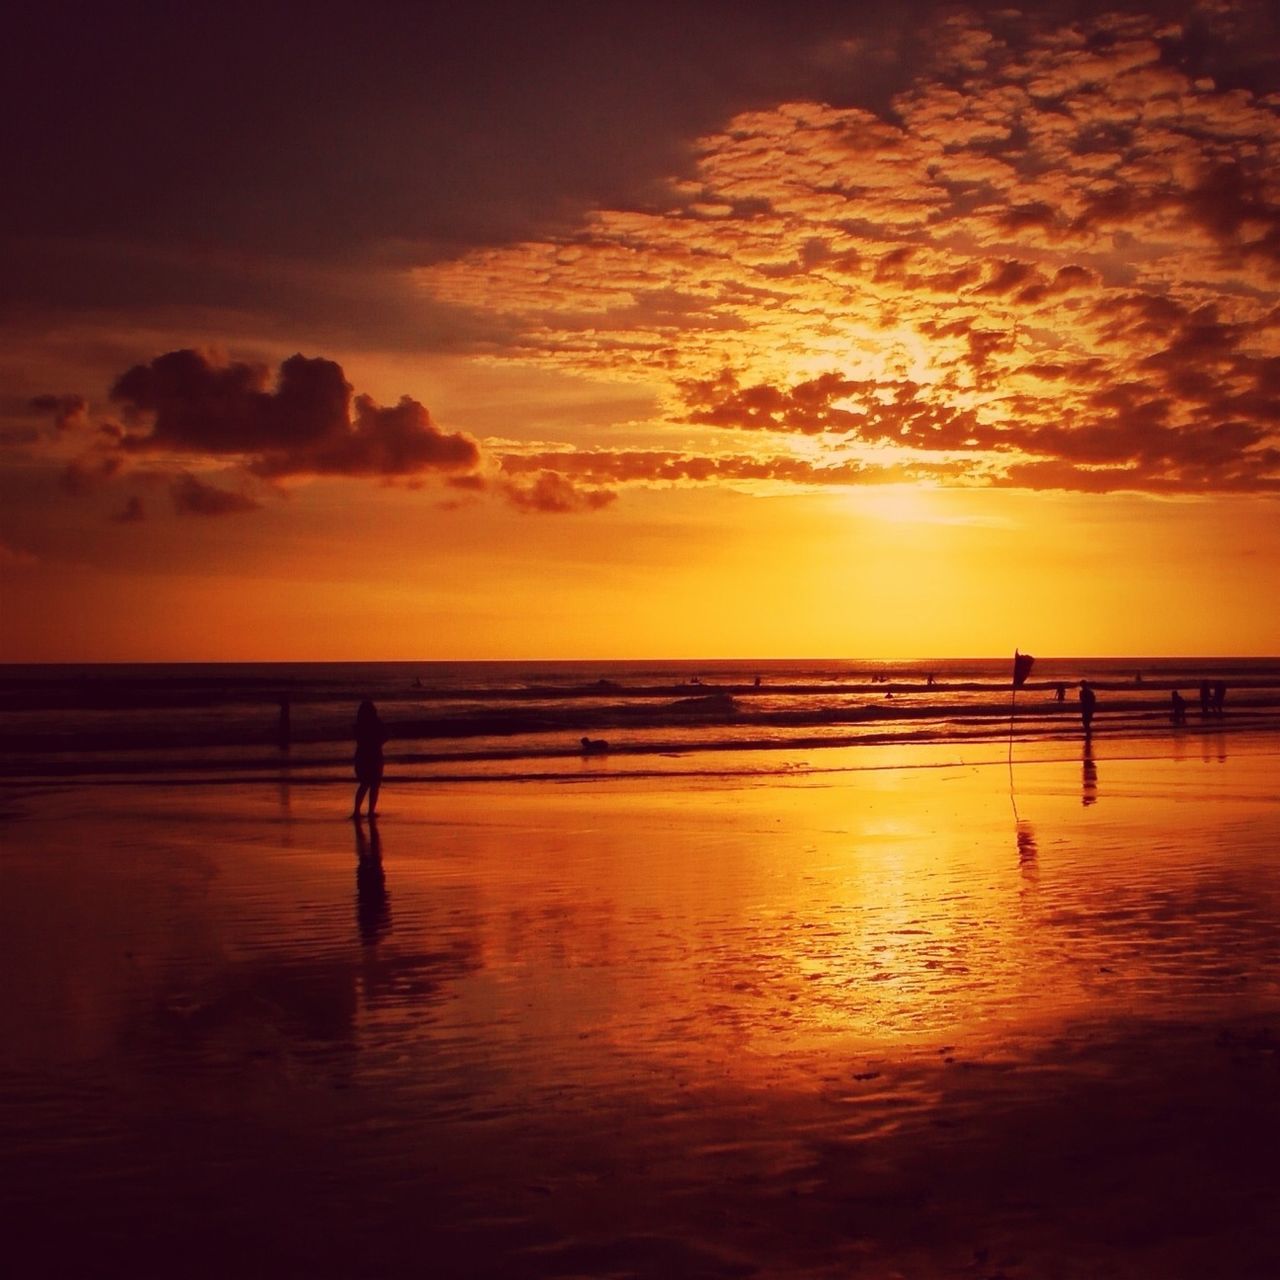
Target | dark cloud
(895,268)
(300,424)
(555,494)
(12,557)
(195,405)
(68,411)
(83,475)
(1056,474)
(871,410)
(807,407)
(132,512)
(397,441)
(1231,199)
(193,497)
(1005,278)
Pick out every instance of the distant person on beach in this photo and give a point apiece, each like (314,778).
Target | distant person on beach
(1060,695)
(1219,698)
(1088,700)
(1206,697)
(370,735)
(1179,708)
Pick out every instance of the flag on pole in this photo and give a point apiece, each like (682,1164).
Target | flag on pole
(1022,664)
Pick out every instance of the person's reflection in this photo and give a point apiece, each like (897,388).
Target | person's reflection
(1088,776)
(373,906)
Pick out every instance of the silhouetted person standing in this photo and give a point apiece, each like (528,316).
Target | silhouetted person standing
(1088,700)
(1060,693)
(1219,698)
(1206,695)
(370,735)
(1179,708)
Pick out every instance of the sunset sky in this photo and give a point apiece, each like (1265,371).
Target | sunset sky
(647,330)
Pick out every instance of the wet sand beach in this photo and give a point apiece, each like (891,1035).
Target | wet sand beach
(880,1021)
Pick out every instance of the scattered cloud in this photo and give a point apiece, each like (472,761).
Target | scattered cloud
(656,467)
(69,411)
(1057,255)
(1039,248)
(85,474)
(133,511)
(551,493)
(12,557)
(195,497)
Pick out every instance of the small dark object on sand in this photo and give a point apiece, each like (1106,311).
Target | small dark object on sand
(594,746)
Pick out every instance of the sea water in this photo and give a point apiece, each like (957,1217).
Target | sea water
(514,719)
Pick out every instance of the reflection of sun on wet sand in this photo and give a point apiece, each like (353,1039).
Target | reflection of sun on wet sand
(849,1024)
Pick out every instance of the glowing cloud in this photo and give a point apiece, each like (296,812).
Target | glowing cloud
(1066,275)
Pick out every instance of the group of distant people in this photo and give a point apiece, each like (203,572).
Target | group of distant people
(1213,699)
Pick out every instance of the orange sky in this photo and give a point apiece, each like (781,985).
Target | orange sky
(894,348)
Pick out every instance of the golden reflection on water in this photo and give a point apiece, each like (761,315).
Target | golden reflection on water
(599,931)
(805,1025)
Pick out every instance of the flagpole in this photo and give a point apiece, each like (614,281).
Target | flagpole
(1013,697)
(1022,664)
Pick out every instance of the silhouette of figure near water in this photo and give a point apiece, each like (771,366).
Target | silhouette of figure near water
(1179,714)
(1219,698)
(1088,701)
(373,908)
(370,735)
(1206,696)
(1060,694)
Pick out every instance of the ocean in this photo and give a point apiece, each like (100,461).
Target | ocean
(527,719)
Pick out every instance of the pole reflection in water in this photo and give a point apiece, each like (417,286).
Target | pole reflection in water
(1028,853)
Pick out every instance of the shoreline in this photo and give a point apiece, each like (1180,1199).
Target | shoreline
(757,760)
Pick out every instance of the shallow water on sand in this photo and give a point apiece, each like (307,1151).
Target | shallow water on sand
(895,1018)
